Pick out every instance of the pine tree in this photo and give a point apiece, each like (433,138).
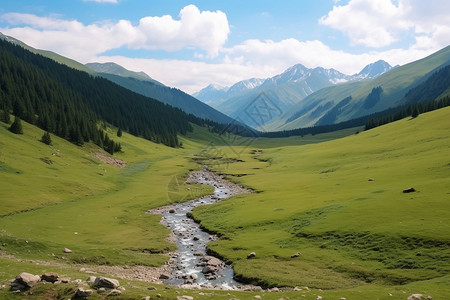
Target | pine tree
(16,126)
(119,132)
(46,138)
(415,112)
(5,117)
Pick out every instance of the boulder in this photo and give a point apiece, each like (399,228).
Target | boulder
(82,293)
(67,250)
(208,270)
(164,276)
(251,255)
(172,211)
(409,190)
(212,261)
(419,297)
(91,279)
(50,277)
(106,283)
(24,281)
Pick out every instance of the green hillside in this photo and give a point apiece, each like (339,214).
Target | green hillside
(352,233)
(356,237)
(171,96)
(394,85)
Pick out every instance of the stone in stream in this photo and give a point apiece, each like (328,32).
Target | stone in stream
(172,211)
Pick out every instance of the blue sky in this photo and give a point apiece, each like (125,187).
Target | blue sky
(190,44)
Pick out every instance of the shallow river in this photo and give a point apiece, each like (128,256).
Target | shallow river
(191,240)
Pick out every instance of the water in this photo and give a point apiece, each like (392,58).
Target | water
(192,240)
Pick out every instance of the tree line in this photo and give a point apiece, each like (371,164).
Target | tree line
(72,104)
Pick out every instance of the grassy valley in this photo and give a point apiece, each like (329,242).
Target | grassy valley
(357,238)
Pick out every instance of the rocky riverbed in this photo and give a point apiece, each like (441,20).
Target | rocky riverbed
(191,266)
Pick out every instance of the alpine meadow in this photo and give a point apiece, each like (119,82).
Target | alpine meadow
(282,178)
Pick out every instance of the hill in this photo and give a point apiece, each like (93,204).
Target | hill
(356,99)
(71,103)
(340,205)
(142,84)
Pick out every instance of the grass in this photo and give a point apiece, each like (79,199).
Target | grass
(358,239)
(316,199)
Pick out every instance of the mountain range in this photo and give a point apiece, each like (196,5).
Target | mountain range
(138,82)
(141,83)
(282,91)
(343,102)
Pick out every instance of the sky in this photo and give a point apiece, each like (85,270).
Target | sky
(191,44)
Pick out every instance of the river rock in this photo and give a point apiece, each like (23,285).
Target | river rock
(50,277)
(208,270)
(251,255)
(24,281)
(106,283)
(164,276)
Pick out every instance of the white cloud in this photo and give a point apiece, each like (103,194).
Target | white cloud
(204,30)
(381,23)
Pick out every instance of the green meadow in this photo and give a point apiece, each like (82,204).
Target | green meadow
(357,238)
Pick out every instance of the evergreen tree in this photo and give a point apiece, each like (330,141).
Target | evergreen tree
(415,111)
(46,138)
(5,117)
(119,132)
(16,126)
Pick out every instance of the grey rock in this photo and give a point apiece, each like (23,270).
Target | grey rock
(410,190)
(82,293)
(24,281)
(114,292)
(67,250)
(106,282)
(50,277)
(164,276)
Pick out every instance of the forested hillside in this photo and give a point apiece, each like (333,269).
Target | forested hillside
(72,104)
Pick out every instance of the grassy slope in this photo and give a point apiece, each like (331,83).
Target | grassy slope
(103,204)
(299,197)
(317,199)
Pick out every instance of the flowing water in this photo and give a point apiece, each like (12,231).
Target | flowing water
(192,240)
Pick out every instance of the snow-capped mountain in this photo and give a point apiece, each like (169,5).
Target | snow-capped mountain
(211,93)
(243,86)
(373,70)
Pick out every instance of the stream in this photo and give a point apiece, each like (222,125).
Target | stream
(191,266)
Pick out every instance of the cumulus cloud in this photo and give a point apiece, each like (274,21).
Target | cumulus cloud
(383,22)
(288,52)
(203,30)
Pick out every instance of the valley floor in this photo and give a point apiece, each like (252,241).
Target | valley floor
(327,215)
